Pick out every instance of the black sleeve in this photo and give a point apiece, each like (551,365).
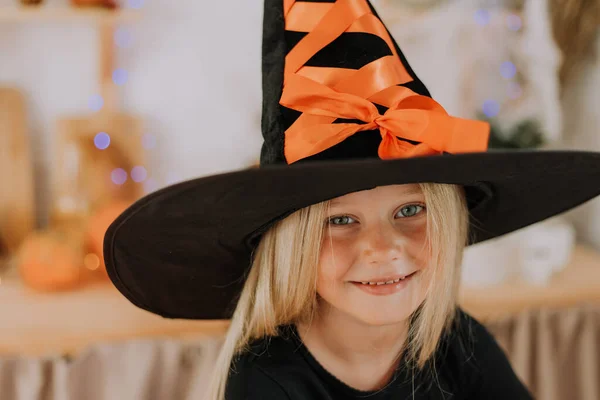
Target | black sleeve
(250,382)
(491,376)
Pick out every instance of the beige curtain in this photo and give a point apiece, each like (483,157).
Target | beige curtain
(136,370)
(556,353)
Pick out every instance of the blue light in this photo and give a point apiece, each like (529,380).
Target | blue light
(135,3)
(491,108)
(514,22)
(123,37)
(118,176)
(96,102)
(508,70)
(119,76)
(482,17)
(138,173)
(102,140)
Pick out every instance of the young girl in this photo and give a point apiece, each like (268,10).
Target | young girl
(338,259)
(331,329)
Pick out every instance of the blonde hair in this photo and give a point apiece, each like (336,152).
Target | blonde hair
(281,283)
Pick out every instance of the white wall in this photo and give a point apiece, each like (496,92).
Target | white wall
(194,75)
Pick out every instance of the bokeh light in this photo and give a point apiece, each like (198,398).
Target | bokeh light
(102,140)
(135,3)
(118,176)
(508,70)
(491,108)
(96,102)
(91,261)
(119,76)
(138,173)
(482,17)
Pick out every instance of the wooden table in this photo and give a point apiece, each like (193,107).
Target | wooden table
(64,323)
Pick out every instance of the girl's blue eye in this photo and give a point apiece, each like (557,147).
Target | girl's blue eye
(410,210)
(343,220)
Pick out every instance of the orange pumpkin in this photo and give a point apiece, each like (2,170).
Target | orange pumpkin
(52,260)
(97,225)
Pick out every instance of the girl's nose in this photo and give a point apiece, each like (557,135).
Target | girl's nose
(381,245)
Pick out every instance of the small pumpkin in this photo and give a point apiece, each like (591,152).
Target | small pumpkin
(52,260)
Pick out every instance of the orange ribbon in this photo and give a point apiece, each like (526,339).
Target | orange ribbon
(326,94)
(412,117)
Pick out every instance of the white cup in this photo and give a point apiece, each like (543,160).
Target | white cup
(545,248)
(488,263)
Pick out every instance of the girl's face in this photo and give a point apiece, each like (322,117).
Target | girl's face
(375,235)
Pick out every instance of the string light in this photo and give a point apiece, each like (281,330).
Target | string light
(135,3)
(91,261)
(118,176)
(482,17)
(102,140)
(491,108)
(96,102)
(119,76)
(138,173)
(508,70)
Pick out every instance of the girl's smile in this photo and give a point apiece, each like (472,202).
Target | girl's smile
(385,287)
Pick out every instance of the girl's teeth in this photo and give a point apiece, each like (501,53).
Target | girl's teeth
(382,283)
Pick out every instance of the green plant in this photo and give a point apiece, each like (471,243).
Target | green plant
(526,134)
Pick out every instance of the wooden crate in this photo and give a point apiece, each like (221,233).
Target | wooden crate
(83,176)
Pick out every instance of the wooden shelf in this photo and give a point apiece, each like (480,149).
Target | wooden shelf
(66,14)
(577,283)
(35,324)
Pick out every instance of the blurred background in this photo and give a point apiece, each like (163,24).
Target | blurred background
(104,101)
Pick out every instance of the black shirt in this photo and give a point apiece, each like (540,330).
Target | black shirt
(469,364)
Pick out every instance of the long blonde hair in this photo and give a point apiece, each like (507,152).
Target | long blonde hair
(281,283)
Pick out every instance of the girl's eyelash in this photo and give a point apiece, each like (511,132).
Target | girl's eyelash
(413,204)
(330,219)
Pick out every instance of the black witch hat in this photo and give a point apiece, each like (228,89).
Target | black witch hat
(342,112)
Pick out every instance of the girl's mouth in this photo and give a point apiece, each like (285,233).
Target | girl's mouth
(385,288)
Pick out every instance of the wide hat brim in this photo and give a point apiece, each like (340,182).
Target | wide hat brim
(184,251)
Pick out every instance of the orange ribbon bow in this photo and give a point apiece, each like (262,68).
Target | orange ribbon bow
(411,117)
(326,94)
